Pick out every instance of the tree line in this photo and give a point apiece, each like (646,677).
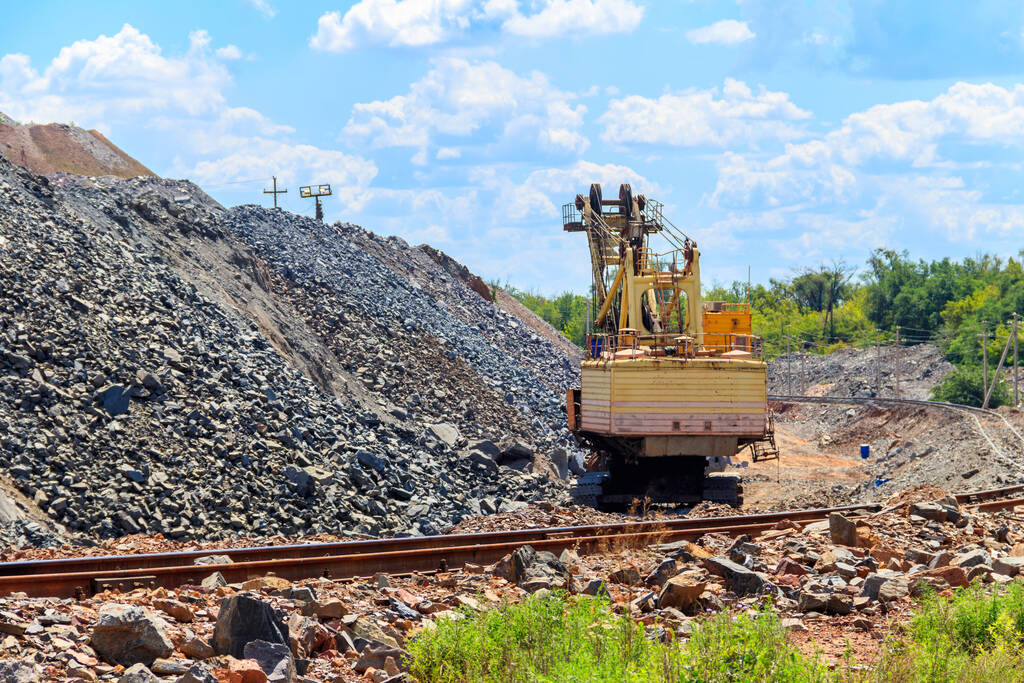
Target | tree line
(946,302)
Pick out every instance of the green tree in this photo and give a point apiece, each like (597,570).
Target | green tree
(965,386)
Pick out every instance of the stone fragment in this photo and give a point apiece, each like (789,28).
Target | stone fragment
(242,671)
(791,567)
(446,433)
(842,530)
(275,659)
(812,602)
(174,608)
(114,399)
(244,618)
(18,671)
(629,576)
(126,634)
(680,592)
(196,648)
(214,580)
(863,623)
(1008,566)
(791,624)
(376,656)
(138,673)
(330,609)
(953,576)
(972,558)
(741,580)
(198,673)
(894,589)
(665,570)
(531,568)
(596,587)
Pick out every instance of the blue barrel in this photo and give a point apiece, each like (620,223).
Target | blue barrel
(596,346)
(865,451)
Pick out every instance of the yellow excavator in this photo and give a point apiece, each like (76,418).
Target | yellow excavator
(671,386)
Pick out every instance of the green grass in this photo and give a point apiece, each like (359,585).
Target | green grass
(975,635)
(578,638)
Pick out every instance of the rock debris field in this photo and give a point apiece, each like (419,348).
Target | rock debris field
(168,366)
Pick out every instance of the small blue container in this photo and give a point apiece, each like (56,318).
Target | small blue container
(865,451)
(596,347)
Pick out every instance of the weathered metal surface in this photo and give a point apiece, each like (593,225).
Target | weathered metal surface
(79,576)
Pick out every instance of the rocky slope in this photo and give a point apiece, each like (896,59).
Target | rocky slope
(170,366)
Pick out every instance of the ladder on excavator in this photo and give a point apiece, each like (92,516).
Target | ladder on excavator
(765,449)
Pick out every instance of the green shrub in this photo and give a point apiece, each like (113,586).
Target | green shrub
(560,638)
(965,386)
(975,635)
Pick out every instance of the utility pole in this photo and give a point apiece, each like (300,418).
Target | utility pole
(316,191)
(878,365)
(275,191)
(1015,396)
(789,369)
(995,378)
(803,372)
(899,359)
(984,356)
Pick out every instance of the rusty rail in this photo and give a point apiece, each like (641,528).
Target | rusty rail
(83,576)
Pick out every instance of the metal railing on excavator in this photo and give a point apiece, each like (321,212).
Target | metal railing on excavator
(629,344)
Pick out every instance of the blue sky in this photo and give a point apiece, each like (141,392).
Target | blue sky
(779,135)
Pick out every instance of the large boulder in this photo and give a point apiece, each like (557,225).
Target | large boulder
(244,618)
(127,635)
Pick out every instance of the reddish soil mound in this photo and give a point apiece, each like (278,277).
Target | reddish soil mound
(56,147)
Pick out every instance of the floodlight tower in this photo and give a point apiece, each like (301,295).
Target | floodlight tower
(316,191)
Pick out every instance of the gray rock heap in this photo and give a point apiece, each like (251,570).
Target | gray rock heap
(170,366)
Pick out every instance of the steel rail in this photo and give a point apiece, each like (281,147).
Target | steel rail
(79,577)
(80,584)
(366,547)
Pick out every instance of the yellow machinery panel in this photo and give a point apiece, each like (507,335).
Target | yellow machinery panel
(708,397)
(727,326)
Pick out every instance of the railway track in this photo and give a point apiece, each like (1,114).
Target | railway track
(84,576)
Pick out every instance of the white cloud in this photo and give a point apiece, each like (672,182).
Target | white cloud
(545,190)
(448,153)
(725,32)
(125,81)
(418,23)
(692,118)
(264,7)
(459,99)
(110,80)
(558,18)
(903,135)
(889,171)
(229,52)
(242,158)
(395,23)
